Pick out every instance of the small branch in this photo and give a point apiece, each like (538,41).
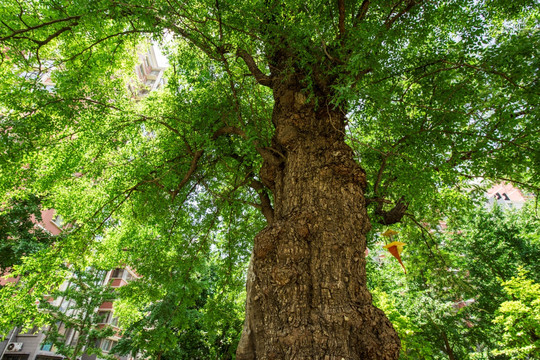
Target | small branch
(22,31)
(190,172)
(379,175)
(448,347)
(330,57)
(126,194)
(362,11)
(170,128)
(495,72)
(341,8)
(229,130)
(266,204)
(525,185)
(391,20)
(440,257)
(188,35)
(232,86)
(105,39)
(261,78)
(424,230)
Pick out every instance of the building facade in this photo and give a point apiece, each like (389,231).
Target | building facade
(32,344)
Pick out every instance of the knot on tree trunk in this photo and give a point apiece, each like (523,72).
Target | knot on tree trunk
(393,215)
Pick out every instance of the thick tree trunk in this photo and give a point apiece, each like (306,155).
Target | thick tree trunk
(307,295)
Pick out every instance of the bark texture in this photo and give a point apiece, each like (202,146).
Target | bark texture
(307,296)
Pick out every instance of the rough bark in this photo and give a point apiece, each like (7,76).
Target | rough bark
(307,296)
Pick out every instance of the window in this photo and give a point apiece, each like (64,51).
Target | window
(114,321)
(67,336)
(58,221)
(107,345)
(15,357)
(46,346)
(74,339)
(117,273)
(64,304)
(104,316)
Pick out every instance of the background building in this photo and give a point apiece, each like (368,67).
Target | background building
(33,345)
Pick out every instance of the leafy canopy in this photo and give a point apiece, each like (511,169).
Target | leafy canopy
(436,93)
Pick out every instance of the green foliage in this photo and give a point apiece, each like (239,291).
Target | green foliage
(19,235)
(67,312)
(451,300)
(200,319)
(436,95)
(520,318)
(38,276)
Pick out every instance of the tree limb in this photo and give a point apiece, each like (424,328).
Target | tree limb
(261,78)
(362,11)
(379,175)
(492,71)
(228,130)
(393,215)
(31,28)
(266,204)
(392,19)
(190,172)
(341,8)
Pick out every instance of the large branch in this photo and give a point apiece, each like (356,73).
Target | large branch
(268,153)
(229,130)
(261,78)
(393,215)
(259,187)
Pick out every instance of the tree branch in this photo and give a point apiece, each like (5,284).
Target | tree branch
(393,215)
(261,78)
(391,20)
(379,175)
(190,172)
(266,204)
(31,28)
(228,130)
(477,68)
(105,39)
(341,8)
(362,11)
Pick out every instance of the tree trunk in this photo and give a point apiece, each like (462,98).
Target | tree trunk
(306,290)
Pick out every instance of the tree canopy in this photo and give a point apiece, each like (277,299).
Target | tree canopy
(430,96)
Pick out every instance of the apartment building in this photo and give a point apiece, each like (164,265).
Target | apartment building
(150,73)
(33,344)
